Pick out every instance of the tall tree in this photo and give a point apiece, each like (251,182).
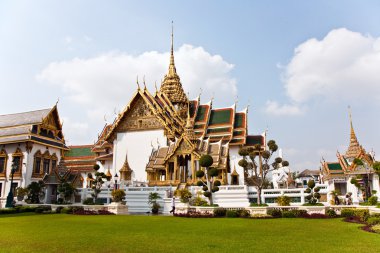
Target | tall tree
(207,177)
(97,182)
(257,164)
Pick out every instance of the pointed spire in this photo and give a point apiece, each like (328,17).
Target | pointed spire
(171,84)
(172,69)
(354,149)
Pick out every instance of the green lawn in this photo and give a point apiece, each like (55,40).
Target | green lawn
(71,233)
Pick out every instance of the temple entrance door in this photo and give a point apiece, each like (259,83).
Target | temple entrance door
(171,171)
(184,168)
(234,180)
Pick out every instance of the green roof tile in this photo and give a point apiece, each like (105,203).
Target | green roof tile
(238,120)
(201,113)
(220,117)
(79,152)
(334,166)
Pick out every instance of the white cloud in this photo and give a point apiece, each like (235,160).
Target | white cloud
(273,108)
(75,132)
(105,82)
(344,65)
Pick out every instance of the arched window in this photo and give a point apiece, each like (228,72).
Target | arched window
(46,163)
(37,163)
(54,160)
(17,160)
(3,163)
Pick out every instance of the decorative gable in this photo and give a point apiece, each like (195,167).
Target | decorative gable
(139,117)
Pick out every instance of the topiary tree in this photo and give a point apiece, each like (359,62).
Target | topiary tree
(207,180)
(257,164)
(67,190)
(314,195)
(97,182)
(36,191)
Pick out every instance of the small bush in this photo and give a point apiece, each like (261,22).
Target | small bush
(372,200)
(220,212)
(376,228)
(66,210)
(275,213)
(331,213)
(373,221)
(347,212)
(317,216)
(288,214)
(59,209)
(43,209)
(363,214)
(243,213)
(88,201)
(197,201)
(118,195)
(231,214)
(283,200)
(8,211)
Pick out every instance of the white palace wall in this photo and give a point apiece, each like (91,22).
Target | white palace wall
(138,144)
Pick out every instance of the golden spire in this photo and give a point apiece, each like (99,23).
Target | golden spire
(171,85)
(354,148)
(172,70)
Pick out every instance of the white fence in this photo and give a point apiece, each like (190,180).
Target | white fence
(227,196)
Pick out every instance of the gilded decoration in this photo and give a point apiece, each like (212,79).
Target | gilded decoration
(140,117)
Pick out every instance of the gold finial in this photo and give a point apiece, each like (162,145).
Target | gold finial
(56,103)
(144,82)
(137,81)
(236,99)
(353,135)
(155,85)
(172,70)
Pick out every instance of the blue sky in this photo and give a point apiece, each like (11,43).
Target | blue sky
(274,54)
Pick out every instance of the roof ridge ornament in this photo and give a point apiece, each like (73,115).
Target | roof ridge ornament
(137,81)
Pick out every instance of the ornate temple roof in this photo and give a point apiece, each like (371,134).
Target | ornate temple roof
(345,164)
(80,158)
(354,149)
(40,126)
(171,85)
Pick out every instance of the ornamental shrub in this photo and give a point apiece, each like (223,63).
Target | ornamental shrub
(200,173)
(118,195)
(213,172)
(331,213)
(373,221)
(275,213)
(184,195)
(220,212)
(372,200)
(88,201)
(363,214)
(205,161)
(283,200)
(288,214)
(231,214)
(243,213)
(198,201)
(347,212)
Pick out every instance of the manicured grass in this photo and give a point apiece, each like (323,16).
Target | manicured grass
(71,233)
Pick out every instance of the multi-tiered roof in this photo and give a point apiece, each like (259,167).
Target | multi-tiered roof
(346,163)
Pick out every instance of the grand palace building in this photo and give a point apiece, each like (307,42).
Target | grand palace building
(157,140)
